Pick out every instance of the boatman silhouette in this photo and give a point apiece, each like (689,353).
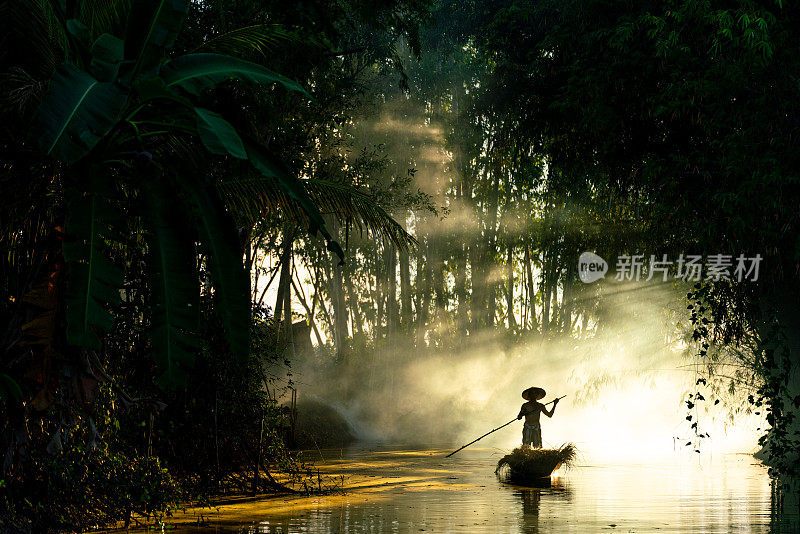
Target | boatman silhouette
(532,429)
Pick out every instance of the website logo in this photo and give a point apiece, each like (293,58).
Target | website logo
(591,267)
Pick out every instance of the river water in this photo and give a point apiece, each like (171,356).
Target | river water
(413,490)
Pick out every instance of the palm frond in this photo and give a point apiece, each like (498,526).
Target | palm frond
(257,39)
(354,205)
(251,197)
(105,16)
(34,39)
(20,90)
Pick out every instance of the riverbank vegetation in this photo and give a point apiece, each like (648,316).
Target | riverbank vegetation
(195,193)
(147,149)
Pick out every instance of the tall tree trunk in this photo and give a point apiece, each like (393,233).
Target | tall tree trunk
(525,300)
(379,268)
(407,319)
(491,244)
(460,271)
(338,303)
(566,314)
(353,304)
(392,316)
(437,271)
(440,318)
(323,277)
(283,299)
(584,322)
(546,289)
(429,281)
(555,309)
(531,288)
(287,315)
(478,279)
(423,293)
(512,322)
(309,311)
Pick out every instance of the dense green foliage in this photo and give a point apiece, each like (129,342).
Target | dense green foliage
(543,129)
(458,156)
(688,107)
(137,165)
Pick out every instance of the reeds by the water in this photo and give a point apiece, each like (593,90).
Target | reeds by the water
(530,465)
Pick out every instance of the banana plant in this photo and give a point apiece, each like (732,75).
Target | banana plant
(122,116)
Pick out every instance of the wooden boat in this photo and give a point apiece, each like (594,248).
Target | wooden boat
(533,466)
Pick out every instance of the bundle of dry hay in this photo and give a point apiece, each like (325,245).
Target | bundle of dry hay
(526,465)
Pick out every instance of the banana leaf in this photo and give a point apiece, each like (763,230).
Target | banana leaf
(77,112)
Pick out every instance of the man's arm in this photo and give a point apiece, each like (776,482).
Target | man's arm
(521,412)
(553,409)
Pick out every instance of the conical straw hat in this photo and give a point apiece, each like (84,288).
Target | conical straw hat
(533,393)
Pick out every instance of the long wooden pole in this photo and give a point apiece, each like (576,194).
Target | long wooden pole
(495,430)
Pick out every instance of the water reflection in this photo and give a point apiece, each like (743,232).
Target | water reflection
(543,498)
(784,511)
(531,500)
(412,491)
